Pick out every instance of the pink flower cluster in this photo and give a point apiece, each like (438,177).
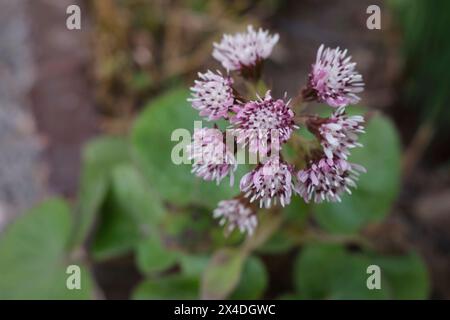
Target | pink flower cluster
(264,125)
(333,79)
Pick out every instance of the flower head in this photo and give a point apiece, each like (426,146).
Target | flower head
(327,179)
(212,160)
(235,214)
(212,95)
(269,183)
(333,78)
(264,122)
(339,133)
(244,50)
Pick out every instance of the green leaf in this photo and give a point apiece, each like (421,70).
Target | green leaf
(117,232)
(314,270)
(193,265)
(130,218)
(406,275)
(33,257)
(173,287)
(325,271)
(146,209)
(253,280)
(152,149)
(98,158)
(137,198)
(153,256)
(222,274)
(350,280)
(329,271)
(377,189)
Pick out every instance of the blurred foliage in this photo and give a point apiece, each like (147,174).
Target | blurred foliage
(34,256)
(330,271)
(141,46)
(134,199)
(424,26)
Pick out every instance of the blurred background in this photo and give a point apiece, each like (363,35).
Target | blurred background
(60,90)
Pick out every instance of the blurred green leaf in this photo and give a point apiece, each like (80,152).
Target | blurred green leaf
(193,265)
(325,271)
(153,256)
(222,274)
(152,146)
(117,232)
(350,280)
(137,198)
(253,281)
(130,219)
(406,275)
(173,287)
(314,270)
(147,211)
(329,271)
(33,257)
(98,158)
(377,188)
